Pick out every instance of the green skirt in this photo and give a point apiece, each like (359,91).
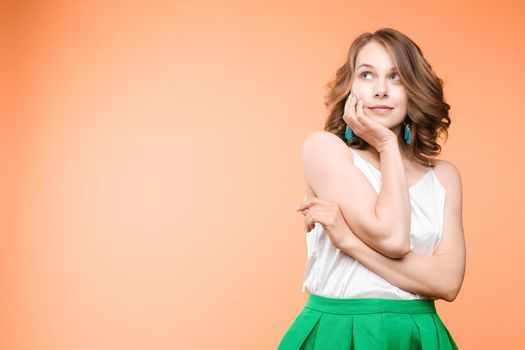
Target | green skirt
(367,324)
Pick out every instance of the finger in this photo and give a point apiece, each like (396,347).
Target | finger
(306,224)
(364,119)
(319,209)
(306,211)
(352,114)
(307,203)
(320,217)
(358,125)
(309,222)
(325,214)
(312,202)
(348,102)
(309,226)
(349,115)
(360,114)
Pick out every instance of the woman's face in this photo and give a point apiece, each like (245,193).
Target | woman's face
(376,82)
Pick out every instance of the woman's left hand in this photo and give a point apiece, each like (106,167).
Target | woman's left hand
(330,217)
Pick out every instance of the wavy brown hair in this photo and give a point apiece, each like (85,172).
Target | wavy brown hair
(427,112)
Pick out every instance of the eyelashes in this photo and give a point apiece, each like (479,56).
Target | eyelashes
(367,72)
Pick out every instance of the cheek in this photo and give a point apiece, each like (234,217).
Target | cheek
(399,94)
(399,99)
(403,105)
(359,90)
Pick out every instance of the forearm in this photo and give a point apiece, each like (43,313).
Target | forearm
(387,246)
(421,274)
(393,206)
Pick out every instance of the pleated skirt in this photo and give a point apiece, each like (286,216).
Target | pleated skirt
(367,324)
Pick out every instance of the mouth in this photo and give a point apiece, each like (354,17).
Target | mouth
(381,109)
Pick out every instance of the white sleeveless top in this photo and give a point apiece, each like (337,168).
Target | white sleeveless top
(332,273)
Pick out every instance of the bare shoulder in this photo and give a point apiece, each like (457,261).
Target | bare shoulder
(448,175)
(321,141)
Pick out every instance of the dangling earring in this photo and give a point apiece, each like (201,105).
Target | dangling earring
(407,134)
(349,135)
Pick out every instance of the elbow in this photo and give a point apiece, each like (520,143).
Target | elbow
(450,287)
(451,294)
(397,245)
(396,249)
(450,297)
(401,252)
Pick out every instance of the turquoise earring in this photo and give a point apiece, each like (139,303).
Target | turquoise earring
(349,135)
(407,134)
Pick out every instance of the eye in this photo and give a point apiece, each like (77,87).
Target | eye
(364,73)
(367,72)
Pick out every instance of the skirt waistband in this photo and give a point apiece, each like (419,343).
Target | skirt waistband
(355,306)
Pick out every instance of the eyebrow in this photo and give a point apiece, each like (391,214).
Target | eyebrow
(370,66)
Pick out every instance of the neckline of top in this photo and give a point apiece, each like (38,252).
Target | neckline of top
(430,171)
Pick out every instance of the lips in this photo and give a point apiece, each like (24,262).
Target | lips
(380,110)
(380,107)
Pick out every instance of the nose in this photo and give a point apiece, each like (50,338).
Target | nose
(380,90)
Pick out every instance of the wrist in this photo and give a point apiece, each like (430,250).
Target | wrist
(388,146)
(349,245)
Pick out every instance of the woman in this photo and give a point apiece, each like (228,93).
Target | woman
(384,218)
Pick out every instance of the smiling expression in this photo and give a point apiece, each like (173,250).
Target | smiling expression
(377,82)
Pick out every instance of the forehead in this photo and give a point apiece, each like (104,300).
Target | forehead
(376,55)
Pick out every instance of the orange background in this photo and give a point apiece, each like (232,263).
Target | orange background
(151,163)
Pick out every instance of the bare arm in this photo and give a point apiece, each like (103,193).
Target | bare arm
(381,221)
(439,275)
(393,203)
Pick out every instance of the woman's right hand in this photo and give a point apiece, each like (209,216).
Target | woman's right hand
(373,132)
(329,215)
